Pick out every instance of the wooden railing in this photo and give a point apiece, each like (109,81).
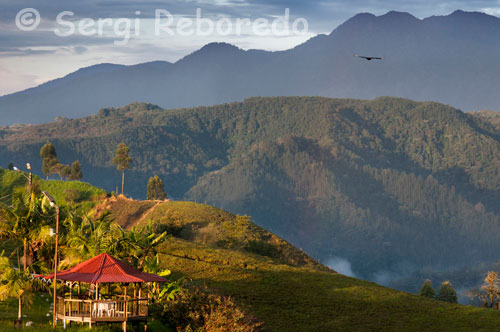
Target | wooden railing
(112,310)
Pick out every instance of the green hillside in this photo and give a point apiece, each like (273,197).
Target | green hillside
(271,279)
(208,226)
(289,292)
(413,185)
(289,298)
(84,194)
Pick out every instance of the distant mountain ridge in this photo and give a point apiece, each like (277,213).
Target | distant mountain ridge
(450,59)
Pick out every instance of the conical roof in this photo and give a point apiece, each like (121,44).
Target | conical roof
(104,268)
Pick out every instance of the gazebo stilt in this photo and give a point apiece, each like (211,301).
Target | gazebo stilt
(126,309)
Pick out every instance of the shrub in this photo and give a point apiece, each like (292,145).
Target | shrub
(262,248)
(224,315)
(197,310)
(72,195)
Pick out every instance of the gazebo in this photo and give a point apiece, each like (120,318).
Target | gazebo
(104,269)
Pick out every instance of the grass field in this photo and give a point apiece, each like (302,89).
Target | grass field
(290,292)
(86,194)
(289,298)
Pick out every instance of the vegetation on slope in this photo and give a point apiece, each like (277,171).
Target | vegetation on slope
(413,184)
(289,292)
(206,225)
(285,295)
(289,298)
(64,192)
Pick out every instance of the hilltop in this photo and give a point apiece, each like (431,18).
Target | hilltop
(206,226)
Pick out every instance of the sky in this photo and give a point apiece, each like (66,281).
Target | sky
(44,41)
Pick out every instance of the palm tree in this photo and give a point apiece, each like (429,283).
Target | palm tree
(15,283)
(24,220)
(86,238)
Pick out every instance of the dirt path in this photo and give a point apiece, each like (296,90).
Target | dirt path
(147,212)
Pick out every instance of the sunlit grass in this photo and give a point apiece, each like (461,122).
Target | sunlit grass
(290,298)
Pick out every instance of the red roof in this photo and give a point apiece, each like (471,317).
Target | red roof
(104,268)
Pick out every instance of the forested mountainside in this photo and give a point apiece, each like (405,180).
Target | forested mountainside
(388,184)
(452,59)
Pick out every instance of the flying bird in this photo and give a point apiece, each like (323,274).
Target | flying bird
(369,58)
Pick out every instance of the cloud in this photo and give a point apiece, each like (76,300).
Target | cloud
(341,265)
(80,49)
(12,82)
(495,11)
(13,51)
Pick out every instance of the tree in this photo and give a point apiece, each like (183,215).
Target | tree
(86,238)
(66,171)
(18,284)
(447,293)
(489,292)
(49,158)
(155,189)
(146,241)
(24,221)
(427,290)
(76,171)
(122,160)
(59,169)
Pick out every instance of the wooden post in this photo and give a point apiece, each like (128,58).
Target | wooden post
(135,304)
(54,321)
(91,312)
(126,311)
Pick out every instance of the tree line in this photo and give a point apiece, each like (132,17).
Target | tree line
(122,160)
(51,165)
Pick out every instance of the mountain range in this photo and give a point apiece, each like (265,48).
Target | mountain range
(450,59)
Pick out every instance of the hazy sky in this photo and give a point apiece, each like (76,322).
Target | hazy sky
(133,32)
